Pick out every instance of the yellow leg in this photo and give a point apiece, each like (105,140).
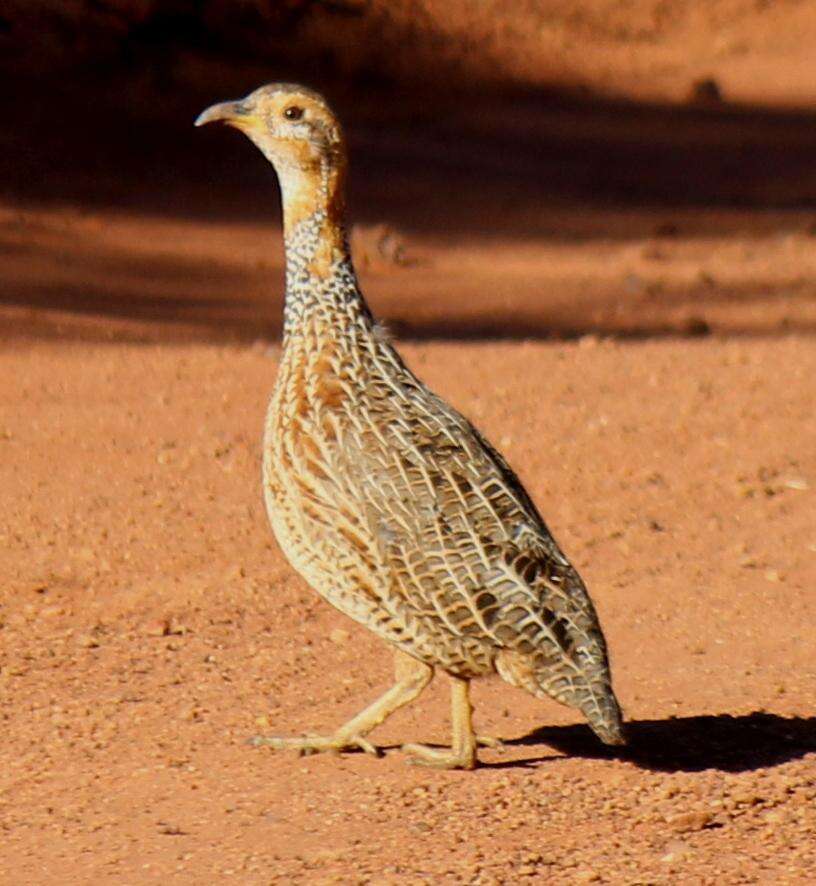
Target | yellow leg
(412,677)
(462,753)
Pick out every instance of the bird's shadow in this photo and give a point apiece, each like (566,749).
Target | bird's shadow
(685,744)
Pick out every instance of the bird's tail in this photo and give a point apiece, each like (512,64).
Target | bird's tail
(589,689)
(582,679)
(603,714)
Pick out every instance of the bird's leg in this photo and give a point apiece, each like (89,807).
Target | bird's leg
(462,753)
(412,677)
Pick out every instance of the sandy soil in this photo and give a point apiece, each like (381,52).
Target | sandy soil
(149,624)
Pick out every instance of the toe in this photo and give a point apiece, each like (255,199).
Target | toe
(365,745)
(422,755)
(487,741)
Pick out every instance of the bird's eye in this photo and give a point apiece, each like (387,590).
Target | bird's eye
(293,112)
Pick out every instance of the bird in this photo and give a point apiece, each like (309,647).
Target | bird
(386,499)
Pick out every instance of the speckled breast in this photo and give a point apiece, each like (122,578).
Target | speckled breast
(315,493)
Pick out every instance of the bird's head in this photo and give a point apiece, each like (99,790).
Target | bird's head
(293,126)
(299,134)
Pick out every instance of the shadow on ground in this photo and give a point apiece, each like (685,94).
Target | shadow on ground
(62,277)
(534,167)
(427,166)
(691,744)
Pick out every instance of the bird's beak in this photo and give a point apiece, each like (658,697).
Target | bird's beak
(235,114)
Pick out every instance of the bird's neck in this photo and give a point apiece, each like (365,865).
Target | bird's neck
(313,190)
(320,280)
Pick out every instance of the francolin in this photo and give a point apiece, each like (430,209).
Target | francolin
(390,503)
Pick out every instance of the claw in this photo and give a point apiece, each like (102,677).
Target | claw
(365,745)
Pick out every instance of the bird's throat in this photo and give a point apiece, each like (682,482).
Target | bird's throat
(321,285)
(313,214)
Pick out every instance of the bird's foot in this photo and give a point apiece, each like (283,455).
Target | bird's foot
(317,744)
(441,758)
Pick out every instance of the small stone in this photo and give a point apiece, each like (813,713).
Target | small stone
(694,820)
(14,671)
(588,341)
(236,572)
(339,636)
(88,641)
(379,245)
(705,91)
(157,627)
(745,798)
(325,856)
(677,850)
(696,325)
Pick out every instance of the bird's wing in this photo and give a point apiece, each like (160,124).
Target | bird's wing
(460,537)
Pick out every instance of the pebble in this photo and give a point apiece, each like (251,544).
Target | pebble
(693,820)
(157,627)
(676,851)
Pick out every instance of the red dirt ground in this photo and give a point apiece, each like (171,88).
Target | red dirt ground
(149,624)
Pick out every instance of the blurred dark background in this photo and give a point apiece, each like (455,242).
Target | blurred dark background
(648,123)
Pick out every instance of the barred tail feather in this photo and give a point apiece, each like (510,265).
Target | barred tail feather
(604,716)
